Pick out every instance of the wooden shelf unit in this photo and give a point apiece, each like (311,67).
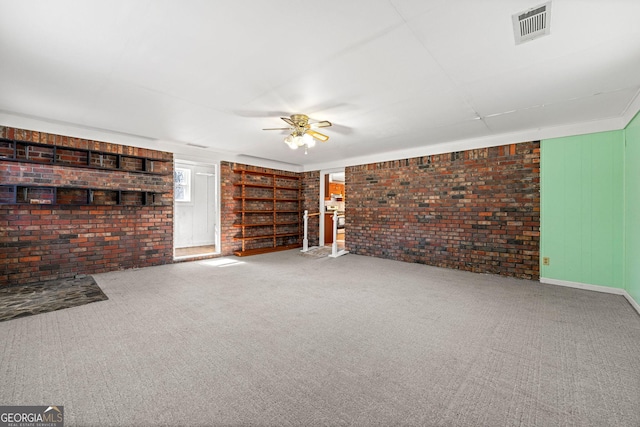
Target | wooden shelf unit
(12,194)
(35,152)
(270,212)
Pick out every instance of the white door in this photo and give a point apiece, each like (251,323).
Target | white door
(195,205)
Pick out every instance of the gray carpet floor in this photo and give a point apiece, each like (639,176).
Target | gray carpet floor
(287,340)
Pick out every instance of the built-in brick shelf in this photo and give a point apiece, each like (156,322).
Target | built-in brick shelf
(34,152)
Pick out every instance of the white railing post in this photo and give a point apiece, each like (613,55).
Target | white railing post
(334,246)
(305,239)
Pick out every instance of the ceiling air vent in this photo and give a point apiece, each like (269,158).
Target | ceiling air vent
(532,23)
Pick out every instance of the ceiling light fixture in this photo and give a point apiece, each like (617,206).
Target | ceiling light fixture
(296,140)
(302,132)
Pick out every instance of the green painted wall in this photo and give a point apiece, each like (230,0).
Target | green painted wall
(582,208)
(632,209)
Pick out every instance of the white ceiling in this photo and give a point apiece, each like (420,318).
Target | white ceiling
(394,76)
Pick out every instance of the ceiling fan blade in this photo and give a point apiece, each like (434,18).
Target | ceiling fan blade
(317,135)
(322,124)
(276,129)
(288,121)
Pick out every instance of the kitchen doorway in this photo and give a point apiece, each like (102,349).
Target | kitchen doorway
(332,199)
(195,206)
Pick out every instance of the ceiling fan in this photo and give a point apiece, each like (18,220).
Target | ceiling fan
(303,133)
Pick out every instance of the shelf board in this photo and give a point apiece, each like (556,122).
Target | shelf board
(267,236)
(240,171)
(269,186)
(270,212)
(258,251)
(267,199)
(264,236)
(252,185)
(270,224)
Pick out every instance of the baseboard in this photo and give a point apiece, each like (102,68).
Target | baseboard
(633,302)
(596,288)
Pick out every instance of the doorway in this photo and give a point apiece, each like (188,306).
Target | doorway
(196,217)
(332,200)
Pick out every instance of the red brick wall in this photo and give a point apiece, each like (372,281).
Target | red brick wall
(46,242)
(227,206)
(475,210)
(311,194)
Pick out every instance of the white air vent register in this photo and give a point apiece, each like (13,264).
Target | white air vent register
(532,23)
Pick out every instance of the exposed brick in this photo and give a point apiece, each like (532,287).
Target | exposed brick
(475,210)
(46,242)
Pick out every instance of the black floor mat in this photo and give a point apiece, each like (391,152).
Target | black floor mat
(26,300)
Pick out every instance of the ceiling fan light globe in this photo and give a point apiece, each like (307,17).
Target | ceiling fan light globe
(289,140)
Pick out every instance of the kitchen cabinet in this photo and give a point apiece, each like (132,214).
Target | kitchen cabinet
(332,188)
(328,228)
(336,188)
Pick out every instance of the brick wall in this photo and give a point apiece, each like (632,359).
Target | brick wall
(475,210)
(46,242)
(228,207)
(311,194)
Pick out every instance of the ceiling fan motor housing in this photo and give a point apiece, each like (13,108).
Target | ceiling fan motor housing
(300,127)
(302,124)
(300,119)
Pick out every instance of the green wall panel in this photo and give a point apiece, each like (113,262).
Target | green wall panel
(582,208)
(632,209)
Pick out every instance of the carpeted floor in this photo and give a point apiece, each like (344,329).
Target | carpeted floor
(27,300)
(286,340)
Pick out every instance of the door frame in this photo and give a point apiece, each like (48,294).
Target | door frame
(321,208)
(216,202)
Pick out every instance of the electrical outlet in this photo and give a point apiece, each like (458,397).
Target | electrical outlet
(545,260)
